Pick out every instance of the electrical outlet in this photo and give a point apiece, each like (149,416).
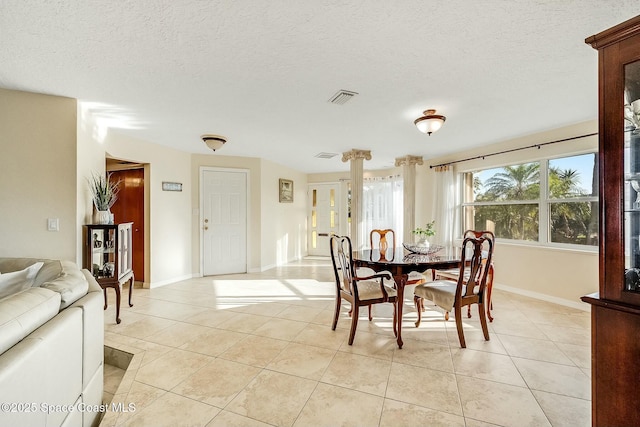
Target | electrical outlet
(53,224)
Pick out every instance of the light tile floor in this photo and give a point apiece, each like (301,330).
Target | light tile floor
(258,350)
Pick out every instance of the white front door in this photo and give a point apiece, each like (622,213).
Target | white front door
(324,217)
(224,221)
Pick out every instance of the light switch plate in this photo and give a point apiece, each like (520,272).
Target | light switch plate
(53,224)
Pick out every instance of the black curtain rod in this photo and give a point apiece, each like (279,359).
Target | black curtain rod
(512,150)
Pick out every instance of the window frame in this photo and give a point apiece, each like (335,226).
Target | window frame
(544,202)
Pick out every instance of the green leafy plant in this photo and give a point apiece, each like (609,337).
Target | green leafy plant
(427,231)
(103,190)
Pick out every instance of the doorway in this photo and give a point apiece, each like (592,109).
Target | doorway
(223,220)
(129,207)
(324,217)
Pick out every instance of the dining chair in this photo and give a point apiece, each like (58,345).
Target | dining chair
(452,274)
(468,289)
(358,291)
(380,237)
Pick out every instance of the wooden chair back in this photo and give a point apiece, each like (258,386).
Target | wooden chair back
(454,274)
(383,238)
(480,233)
(476,254)
(342,263)
(380,236)
(359,291)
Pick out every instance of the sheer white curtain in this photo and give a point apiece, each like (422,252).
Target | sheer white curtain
(381,207)
(447,214)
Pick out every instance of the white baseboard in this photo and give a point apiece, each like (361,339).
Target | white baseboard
(262,268)
(153,285)
(270,266)
(579,305)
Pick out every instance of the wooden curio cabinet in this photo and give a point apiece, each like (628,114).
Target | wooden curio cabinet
(108,256)
(615,309)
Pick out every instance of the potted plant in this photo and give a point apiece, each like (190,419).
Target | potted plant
(104,193)
(424,233)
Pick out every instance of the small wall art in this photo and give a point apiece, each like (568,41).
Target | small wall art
(286,190)
(171,186)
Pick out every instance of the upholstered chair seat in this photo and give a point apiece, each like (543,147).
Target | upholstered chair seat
(369,290)
(441,292)
(468,287)
(359,291)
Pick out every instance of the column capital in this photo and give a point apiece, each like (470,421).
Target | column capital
(409,161)
(356,154)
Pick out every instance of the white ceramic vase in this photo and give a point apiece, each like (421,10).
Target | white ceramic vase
(102,217)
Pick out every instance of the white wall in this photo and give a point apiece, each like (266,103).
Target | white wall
(557,275)
(90,160)
(169,215)
(38,164)
(285,224)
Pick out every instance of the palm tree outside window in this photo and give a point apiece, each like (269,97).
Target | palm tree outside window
(552,201)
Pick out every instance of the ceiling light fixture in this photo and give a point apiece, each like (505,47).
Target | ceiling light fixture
(430,122)
(215,142)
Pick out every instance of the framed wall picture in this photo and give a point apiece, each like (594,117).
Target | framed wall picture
(286,190)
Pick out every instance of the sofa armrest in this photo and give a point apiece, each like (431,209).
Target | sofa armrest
(93,285)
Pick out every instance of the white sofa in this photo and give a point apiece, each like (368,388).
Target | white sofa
(51,345)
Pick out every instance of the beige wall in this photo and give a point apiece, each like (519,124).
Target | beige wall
(557,275)
(554,274)
(169,217)
(90,160)
(56,138)
(38,164)
(285,224)
(167,213)
(49,147)
(276,231)
(328,177)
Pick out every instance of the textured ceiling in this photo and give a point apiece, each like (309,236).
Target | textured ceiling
(261,72)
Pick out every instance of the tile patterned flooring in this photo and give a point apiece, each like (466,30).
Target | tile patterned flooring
(258,350)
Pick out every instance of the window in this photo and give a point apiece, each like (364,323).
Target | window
(549,201)
(382,205)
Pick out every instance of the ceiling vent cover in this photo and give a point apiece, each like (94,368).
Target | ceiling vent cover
(342,96)
(325,155)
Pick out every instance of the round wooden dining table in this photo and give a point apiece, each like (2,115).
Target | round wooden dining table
(400,263)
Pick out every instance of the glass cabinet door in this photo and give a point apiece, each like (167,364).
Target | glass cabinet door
(632,176)
(103,252)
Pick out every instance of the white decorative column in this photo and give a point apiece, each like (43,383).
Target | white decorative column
(408,164)
(357,181)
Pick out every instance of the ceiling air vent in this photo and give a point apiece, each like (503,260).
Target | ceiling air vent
(325,155)
(342,96)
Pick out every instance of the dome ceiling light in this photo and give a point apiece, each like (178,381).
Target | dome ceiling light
(215,142)
(430,122)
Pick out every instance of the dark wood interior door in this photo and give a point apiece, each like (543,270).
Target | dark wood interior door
(130,208)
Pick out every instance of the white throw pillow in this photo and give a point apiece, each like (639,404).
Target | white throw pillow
(17,281)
